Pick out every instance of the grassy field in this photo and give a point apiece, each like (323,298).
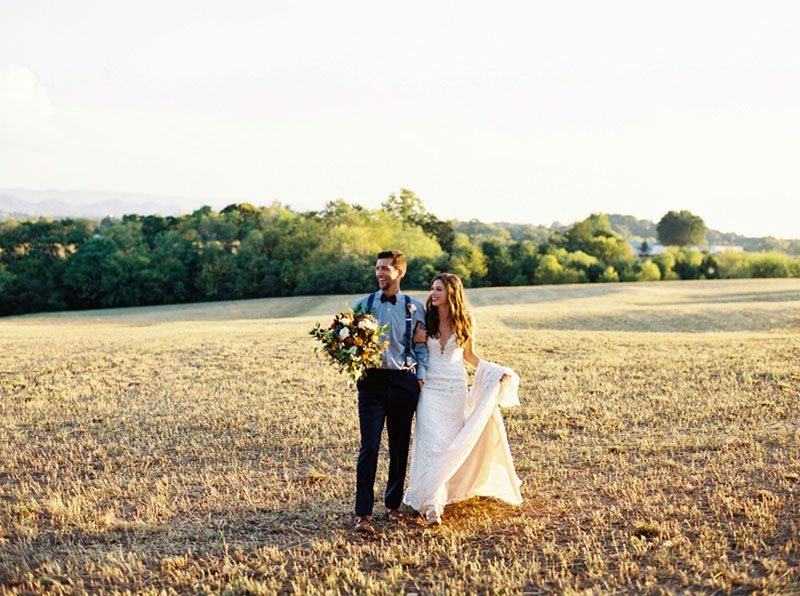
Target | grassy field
(204,448)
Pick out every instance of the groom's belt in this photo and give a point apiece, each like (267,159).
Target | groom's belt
(389,371)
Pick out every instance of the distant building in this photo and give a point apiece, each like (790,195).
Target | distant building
(718,248)
(655,248)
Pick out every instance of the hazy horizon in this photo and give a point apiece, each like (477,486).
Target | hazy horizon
(517,112)
(185,206)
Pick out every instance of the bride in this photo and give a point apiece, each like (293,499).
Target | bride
(460,449)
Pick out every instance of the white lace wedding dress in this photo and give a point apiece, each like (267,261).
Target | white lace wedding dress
(460,448)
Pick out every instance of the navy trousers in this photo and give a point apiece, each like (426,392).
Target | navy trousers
(388,396)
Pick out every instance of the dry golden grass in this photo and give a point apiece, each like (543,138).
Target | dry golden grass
(203,448)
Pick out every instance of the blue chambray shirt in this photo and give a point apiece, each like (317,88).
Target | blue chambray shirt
(394,315)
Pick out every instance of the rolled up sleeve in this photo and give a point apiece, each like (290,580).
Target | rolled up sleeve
(421,349)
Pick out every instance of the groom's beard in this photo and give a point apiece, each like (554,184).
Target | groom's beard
(389,284)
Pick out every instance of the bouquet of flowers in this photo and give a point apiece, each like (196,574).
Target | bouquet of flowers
(353,342)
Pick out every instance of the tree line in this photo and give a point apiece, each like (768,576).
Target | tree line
(245,251)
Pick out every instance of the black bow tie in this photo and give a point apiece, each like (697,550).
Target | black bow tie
(387,298)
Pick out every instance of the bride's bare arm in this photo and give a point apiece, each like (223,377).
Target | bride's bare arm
(471,357)
(469,349)
(469,353)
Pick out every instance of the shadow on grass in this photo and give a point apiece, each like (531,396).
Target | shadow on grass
(480,527)
(657,321)
(293,306)
(208,539)
(712,291)
(777,296)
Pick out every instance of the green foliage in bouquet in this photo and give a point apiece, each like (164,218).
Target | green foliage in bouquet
(353,342)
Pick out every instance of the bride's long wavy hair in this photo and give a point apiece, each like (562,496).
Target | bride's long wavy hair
(460,319)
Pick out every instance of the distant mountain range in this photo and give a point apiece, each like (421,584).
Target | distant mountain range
(20,203)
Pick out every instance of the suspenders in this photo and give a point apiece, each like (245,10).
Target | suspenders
(408,331)
(371,301)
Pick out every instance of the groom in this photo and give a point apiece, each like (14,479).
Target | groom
(389,393)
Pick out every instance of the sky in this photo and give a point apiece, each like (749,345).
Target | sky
(528,111)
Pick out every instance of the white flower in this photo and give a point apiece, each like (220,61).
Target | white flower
(344,333)
(366,324)
(412,307)
(353,350)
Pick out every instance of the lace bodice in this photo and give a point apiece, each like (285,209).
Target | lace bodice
(446,371)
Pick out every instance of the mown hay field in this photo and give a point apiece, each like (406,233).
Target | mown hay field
(203,448)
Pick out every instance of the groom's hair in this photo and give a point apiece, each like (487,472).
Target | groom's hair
(397,256)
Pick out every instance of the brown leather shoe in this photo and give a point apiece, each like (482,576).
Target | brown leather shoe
(394,515)
(364,524)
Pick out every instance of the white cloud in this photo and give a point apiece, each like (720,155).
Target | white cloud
(26,113)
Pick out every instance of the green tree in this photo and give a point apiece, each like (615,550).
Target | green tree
(125,280)
(688,263)
(421,270)
(609,275)
(525,255)
(343,259)
(732,264)
(648,271)
(552,270)
(626,267)
(594,237)
(127,236)
(152,226)
(465,260)
(216,277)
(6,280)
(580,261)
(709,268)
(171,269)
(549,271)
(259,273)
(681,228)
(35,283)
(84,273)
(245,216)
(771,264)
(665,261)
(500,267)
(409,208)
